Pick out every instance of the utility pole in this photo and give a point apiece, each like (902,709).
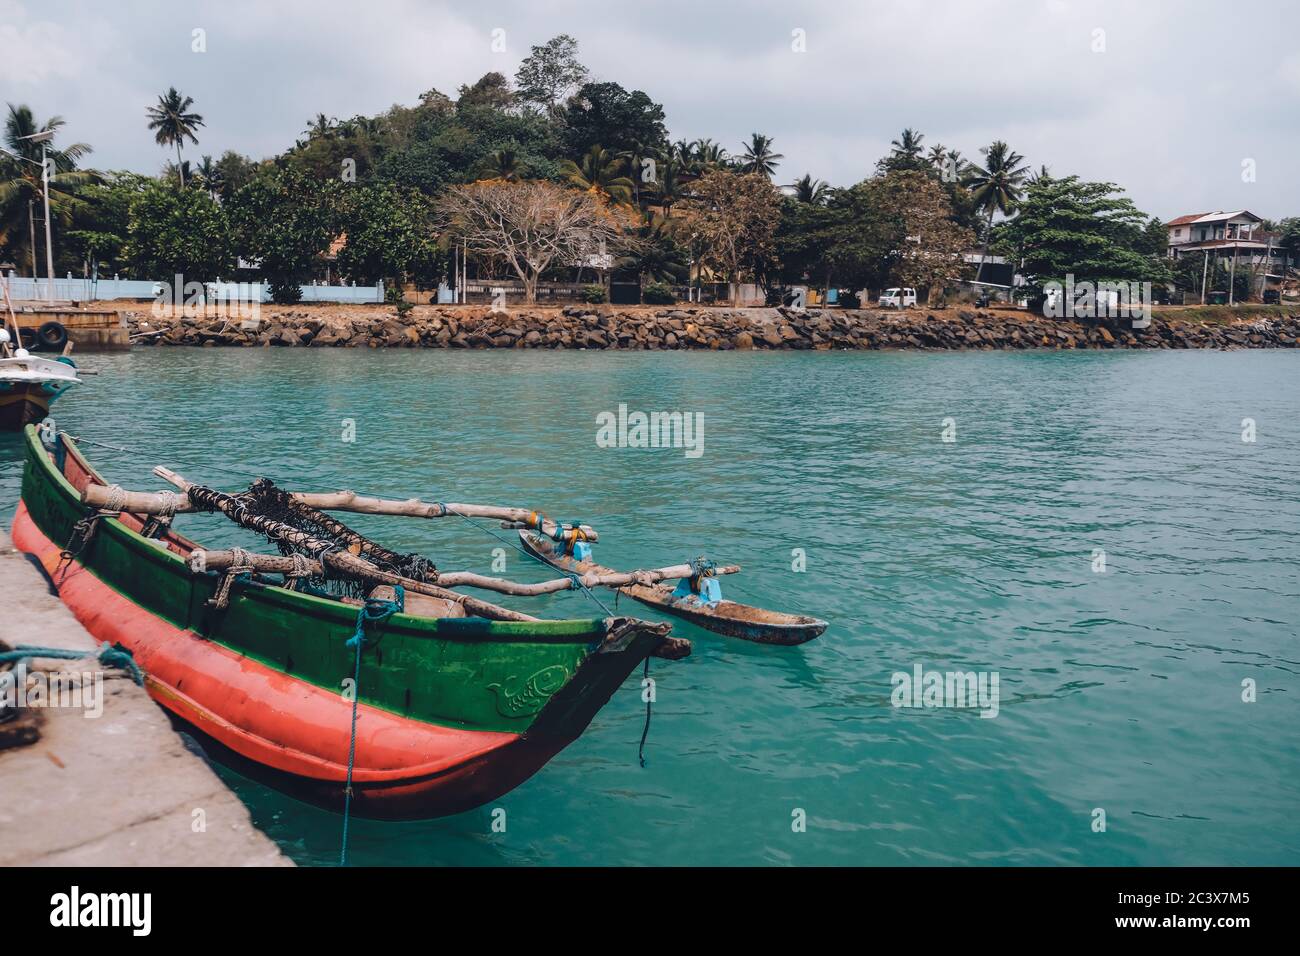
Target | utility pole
(1205,272)
(49,244)
(1232,275)
(31,245)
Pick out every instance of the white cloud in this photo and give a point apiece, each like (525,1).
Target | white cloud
(1167,111)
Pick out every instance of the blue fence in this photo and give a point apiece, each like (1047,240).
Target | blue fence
(103,289)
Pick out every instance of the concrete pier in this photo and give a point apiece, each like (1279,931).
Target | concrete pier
(120,789)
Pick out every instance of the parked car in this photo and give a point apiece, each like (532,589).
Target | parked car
(1271,297)
(897,298)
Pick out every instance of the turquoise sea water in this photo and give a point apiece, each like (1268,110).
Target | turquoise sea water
(1118,690)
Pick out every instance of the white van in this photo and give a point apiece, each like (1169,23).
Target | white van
(898,298)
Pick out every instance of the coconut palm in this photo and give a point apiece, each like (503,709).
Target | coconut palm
(21,185)
(670,189)
(174,123)
(321,126)
(502,164)
(809,190)
(209,174)
(706,155)
(996,186)
(1041,175)
(600,173)
(759,157)
(908,145)
(655,255)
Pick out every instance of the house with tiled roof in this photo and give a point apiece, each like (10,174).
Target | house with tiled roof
(1225,236)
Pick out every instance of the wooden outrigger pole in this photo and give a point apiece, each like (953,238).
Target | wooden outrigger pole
(166,502)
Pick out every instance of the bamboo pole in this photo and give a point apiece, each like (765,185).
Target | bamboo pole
(222,560)
(338,562)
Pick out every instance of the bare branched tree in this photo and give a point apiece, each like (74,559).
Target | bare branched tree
(534,226)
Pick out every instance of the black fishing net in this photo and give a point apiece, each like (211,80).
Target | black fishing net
(264,499)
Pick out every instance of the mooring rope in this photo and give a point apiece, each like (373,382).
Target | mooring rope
(373,611)
(110,655)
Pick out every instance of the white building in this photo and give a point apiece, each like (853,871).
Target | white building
(1226,235)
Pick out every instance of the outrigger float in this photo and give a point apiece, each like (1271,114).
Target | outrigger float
(696,598)
(454,700)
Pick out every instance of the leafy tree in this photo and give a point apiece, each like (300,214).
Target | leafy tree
(550,72)
(929,247)
(178,231)
(389,236)
(805,241)
(286,222)
(22,185)
(492,91)
(759,156)
(174,123)
(735,224)
(101,223)
(605,114)
(1088,230)
(232,172)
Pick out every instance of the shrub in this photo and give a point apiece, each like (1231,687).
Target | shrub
(593,294)
(658,293)
(285,292)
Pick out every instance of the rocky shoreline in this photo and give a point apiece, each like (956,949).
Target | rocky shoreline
(606,327)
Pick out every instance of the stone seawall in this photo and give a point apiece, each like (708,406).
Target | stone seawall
(605,327)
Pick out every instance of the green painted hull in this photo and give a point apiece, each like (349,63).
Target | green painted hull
(470,681)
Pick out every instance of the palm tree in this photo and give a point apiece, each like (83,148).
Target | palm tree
(173,121)
(502,164)
(996,186)
(908,144)
(599,173)
(21,184)
(321,126)
(759,157)
(809,190)
(655,255)
(1041,175)
(670,189)
(210,176)
(706,155)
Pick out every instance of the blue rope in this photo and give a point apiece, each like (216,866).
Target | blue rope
(110,655)
(373,611)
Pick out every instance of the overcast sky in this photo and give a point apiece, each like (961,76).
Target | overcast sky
(1180,95)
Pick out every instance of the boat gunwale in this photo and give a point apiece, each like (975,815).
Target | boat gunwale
(472,629)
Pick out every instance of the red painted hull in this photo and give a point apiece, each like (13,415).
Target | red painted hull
(295,730)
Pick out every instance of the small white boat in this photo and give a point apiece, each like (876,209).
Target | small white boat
(29,384)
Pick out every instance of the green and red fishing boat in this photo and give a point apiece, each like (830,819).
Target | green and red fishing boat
(452,710)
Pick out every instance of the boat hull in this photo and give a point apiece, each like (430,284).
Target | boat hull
(452,713)
(728,618)
(22,405)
